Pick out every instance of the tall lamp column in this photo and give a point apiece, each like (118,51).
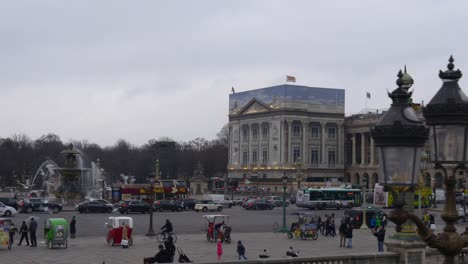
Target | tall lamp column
(150,228)
(284,180)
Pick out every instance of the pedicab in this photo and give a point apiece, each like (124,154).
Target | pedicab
(115,229)
(217,228)
(56,232)
(5,224)
(305,227)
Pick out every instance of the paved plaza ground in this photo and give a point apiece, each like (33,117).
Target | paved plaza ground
(95,249)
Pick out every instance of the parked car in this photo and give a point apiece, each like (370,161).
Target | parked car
(220,198)
(208,205)
(137,206)
(248,198)
(292,200)
(170,205)
(94,206)
(277,200)
(39,205)
(357,213)
(9,202)
(188,203)
(6,210)
(238,201)
(257,204)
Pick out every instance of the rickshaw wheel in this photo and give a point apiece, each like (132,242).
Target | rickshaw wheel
(208,237)
(49,244)
(66,244)
(111,241)
(290,235)
(315,236)
(9,245)
(130,241)
(303,236)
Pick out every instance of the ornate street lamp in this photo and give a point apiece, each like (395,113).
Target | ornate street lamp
(150,228)
(399,136)
(284,180)
(447,117)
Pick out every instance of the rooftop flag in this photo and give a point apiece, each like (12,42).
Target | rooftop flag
(290,78)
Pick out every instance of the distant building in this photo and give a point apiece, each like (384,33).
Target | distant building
(286,129)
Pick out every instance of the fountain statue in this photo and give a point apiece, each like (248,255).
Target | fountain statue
(71,181)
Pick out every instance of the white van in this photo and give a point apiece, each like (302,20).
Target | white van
(440,195)
(221,199)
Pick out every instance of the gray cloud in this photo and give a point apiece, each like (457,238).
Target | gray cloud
(141,70)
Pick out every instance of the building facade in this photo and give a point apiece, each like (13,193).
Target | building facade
(290,130)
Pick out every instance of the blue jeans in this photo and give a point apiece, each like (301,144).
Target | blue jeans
(380,246)
(243,256)
(350,243)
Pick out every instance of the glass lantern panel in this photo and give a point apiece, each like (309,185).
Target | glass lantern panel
(450,143)
(399,165)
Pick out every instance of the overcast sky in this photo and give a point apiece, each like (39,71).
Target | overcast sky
(141,70)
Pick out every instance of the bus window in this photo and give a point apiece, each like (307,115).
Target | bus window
(316,196)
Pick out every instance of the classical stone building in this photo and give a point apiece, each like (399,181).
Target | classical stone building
(286,129)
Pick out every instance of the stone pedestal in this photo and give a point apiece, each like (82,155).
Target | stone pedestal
(410,252)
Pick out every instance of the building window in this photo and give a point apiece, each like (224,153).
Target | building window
(296,154)
(254,157)
(315,132)
(245,134)
(265,132)
(314,157)
(331,132)
(264,156)
(254,133)
(331,157)
(296,131)
(245,158)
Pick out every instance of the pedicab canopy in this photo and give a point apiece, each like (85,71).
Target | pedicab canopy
(219,217)
(4,231)
(116,221)
(52,223)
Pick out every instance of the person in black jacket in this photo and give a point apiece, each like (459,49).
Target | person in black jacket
(342,230)
(24,233)
(380,234)
(170,248)
(162,256)
(32,232)
(349,236)
(167,228)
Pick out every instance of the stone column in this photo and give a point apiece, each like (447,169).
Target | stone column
(304,159)
(372,152)
(289,142)
(363,148)
(249,150)
(324,143)
(354,148)
(270,143)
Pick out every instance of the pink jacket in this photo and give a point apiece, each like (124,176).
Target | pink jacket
(220,248)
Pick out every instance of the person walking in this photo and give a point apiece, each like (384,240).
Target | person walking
(349,236)
(32,232)
(24,233)
(241,250)
(343,230)
(170,248)
(372,223)
(380,234)
(426,218)
(12,232)
(73,227)
(220,250)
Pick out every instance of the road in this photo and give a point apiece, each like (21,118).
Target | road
(190,222)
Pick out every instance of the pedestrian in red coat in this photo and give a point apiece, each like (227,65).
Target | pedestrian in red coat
(220,250)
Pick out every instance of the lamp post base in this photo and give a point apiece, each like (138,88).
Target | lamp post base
(284,229)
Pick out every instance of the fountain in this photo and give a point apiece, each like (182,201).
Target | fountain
(71,181)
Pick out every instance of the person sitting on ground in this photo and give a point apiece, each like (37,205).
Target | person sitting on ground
(162,256)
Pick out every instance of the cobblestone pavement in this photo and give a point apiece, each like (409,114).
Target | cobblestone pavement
(95,249)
